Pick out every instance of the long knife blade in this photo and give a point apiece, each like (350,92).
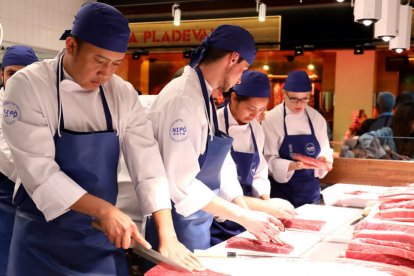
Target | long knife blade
(148,253)
(155,257)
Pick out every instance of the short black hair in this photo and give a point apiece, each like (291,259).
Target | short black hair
(214,54)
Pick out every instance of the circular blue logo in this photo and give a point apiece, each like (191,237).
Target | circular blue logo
(11,112)
(310,148)
(178,131)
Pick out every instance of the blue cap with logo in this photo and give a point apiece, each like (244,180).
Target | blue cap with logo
(253,84)
(101,25)
(298,81)
(228,38)
(19,55)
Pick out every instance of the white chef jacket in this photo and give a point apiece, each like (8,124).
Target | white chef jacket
(295,124)
(33,99)
(6,161)
(127,199)
(243,143)
(181,127)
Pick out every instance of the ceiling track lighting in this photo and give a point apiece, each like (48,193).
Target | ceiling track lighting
(176,14)
(261,9)
(387,27)
(402,41)
(358,49)
(367,11)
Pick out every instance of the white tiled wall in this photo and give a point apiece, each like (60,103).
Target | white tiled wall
(37,23)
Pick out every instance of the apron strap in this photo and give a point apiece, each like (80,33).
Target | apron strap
(208,99)
(59,78)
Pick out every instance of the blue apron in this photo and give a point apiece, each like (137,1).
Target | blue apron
(7,213)
(303,187)
(194,230)
(69,245)
(247,164)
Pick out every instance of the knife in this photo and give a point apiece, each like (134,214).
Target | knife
(148,253)
(231,254)
(358,219)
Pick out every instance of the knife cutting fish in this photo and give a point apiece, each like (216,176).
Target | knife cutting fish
(148,253)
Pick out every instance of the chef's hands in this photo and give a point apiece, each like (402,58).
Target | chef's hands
(328,164)
(280,208)
(173,249)
(263,226)
(120,229)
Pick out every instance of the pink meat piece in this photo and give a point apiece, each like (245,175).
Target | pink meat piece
(378,257)
(397,195)
(303,224)
(390,269)
(381,247)
(396,214)
(310,161)
(376,224)
(164,270)
(395,238)
(256,245)
(407,204)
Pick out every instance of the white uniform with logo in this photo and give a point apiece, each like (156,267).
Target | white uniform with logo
(243,143)
(6,160)
(296,124)
(33,123)
(180,125)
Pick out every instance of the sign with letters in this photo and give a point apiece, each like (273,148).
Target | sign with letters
(191,32)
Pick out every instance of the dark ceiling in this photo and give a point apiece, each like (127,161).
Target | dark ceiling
(325,24)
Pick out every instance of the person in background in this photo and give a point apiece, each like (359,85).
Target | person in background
(406,96)
(15,58)
(195,152)
(294,127)
(78,115)
(385,104)
(355,128)
(397,141)
(238,119)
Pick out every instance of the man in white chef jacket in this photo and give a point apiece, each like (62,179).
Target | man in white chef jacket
(194,150)
(15,58)
(66,121)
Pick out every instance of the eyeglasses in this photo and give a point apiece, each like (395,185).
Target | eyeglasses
(296,100)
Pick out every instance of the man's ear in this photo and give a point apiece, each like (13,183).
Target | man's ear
(234,57)
(70,45)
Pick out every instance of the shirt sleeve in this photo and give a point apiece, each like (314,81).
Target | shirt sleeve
(321,133)
(143,159)
(278,167)
(230,187)
(32,146)
(261,184)
(178,130)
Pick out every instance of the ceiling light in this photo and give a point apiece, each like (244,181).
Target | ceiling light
(358,49)
(298,51)
(266,67)
(311,67)
(367,11)
(176,14)
(387,27)
(261,9)
(402,41)
(340,1)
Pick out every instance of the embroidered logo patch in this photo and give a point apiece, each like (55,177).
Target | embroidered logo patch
(11,112)
(310,148)
(178,131)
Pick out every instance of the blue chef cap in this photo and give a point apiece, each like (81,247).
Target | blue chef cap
(253,84)
(298,81)
(19,55)
(385,101)
(103,26)
(229,38)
